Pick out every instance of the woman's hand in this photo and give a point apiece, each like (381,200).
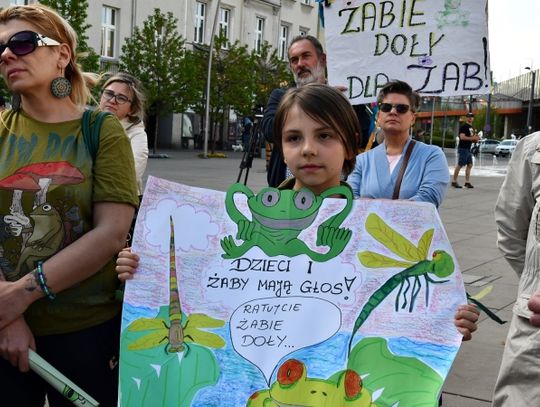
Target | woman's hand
(13,298)
(465,320)
(126,264)
(15,340)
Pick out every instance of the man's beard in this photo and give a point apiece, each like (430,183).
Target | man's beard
(313,76)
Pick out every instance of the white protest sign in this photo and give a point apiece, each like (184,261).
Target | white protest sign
(440,47)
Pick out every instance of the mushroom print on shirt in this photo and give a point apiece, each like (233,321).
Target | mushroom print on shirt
(45,193)
(44,229)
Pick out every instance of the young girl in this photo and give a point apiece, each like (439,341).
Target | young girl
(317,130)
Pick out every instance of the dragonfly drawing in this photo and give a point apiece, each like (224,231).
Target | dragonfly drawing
(180,328)
(415,261)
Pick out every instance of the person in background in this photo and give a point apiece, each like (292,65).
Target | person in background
(123,96)
(466,138)
(247,125)
(64,216)
(376,174)
(517,214)
(307,62)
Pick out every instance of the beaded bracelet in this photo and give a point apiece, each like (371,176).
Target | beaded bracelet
(42,281)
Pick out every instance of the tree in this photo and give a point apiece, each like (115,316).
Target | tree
(479,122)
(270,72)
(74,11)
(240,80)
(155,54)
(231,80)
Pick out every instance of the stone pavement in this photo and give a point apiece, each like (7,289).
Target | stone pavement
(468,218)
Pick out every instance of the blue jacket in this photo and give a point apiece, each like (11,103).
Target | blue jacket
(426,177)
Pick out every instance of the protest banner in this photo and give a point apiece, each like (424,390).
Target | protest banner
(440,47)
(287,298)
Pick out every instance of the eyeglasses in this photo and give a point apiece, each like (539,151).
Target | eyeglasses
(400,108)
(25,42)
(118,97)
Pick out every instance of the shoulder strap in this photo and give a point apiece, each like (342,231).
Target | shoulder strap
(402,169)
(91,131)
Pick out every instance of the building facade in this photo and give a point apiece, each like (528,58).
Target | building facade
(250,22)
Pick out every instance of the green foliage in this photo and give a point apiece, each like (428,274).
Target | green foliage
(229,86)
(155,54)
(240,80)
(269,72)
(75,12)
(480,120)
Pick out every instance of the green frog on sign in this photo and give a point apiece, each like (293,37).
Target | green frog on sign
(279,216)
(294,388)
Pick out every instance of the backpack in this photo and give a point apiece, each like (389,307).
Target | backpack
(90,131)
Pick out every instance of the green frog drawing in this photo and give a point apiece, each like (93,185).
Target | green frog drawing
(279,216)
(294,388)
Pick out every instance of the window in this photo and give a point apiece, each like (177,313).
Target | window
(283,41)
(108,31)
(306,2)
(19,2)
(224,22)
(259,33)
(200,14)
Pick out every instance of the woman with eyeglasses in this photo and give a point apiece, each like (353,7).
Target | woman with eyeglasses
(122,96)
(64,214)
(400,168)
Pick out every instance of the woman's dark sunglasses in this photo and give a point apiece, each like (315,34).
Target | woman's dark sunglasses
(25,42)
(400,108)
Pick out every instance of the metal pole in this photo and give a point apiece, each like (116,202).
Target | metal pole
(208,82)
(531,100)
(432,119)
(445,122)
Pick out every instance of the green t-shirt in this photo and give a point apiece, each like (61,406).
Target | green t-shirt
(48,182)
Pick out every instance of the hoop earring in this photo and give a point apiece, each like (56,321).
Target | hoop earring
(61,87)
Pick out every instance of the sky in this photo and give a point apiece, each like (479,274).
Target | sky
(514,37)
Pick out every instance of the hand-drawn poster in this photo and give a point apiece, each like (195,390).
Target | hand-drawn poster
(286,298)
(440,47)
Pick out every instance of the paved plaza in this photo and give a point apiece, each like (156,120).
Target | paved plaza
(468,218)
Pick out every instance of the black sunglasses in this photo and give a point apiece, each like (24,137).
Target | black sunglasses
(25,42)
(400,108)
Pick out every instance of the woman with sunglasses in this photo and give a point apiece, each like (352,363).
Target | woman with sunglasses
(400,168)
(122,96)
(64,214)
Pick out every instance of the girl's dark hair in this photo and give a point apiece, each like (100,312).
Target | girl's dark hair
(326,105)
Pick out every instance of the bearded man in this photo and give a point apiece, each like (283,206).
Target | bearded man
(307,62)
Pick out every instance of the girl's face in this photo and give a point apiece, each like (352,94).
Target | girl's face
(116,98)
(313,152)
